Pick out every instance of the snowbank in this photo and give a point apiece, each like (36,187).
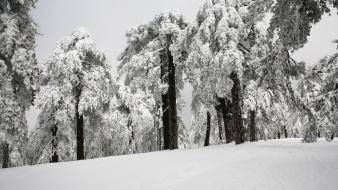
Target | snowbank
(270,165)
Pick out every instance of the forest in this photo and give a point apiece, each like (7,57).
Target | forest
(236,56)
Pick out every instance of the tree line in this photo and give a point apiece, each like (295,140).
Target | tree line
(236,56)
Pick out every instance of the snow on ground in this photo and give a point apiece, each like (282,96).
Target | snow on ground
(265,165)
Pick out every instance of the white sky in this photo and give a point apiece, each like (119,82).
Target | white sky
(108,20)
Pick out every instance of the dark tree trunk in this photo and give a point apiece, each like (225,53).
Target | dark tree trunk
(318,134)
(285,131)
(219,122)
(165,116)
(159,133)
(173,128)
(332,136)
(79,137)
(165,102)
(225,106)
(207,134)
(278,134)
(252,126)
(55,157)
(79,130)
(165,121)
(5,155)
(236,106)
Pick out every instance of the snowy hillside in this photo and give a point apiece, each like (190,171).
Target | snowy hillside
(275,164)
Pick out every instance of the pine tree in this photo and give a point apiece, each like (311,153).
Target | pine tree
(292,21)
(19,73)
(128,126)
(219,52)
(319,89)
(151,63)
(76,86)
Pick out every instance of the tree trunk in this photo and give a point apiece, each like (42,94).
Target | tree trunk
(285,131)
(159,133)
(55,157)
(219,122)
(278,134)
(165,103)
(165,121)
(225,107)
(5,155)
(310,132)
(207,134)
(332,136)
(252,126)
(79,130)
(173,128)
(79,137)
(237,112)
(132,143)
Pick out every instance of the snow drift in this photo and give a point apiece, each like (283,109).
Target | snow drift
(275,164)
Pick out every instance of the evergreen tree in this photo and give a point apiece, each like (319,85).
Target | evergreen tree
(18,77)
(76,86)
(292,22)
(151,63)
(319,89)
(219,56)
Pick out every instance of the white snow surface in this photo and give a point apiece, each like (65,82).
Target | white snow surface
(264,165)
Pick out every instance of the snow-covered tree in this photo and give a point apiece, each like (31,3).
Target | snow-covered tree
(292,20)
(49,142)
(76,86)
(219,48)
(290,25)
(205,129)
(18,77)
(128,126)
(151,63)
(319,89)
(132,114)
(214,59)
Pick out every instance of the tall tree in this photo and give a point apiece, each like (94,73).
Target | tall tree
(319,89)
(19,68)
(292,22)
(76,85)
(218,58)
(152,64)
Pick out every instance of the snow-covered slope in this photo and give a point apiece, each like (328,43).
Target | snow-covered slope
(270,165)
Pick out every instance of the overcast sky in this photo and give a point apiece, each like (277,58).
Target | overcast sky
(108,20)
